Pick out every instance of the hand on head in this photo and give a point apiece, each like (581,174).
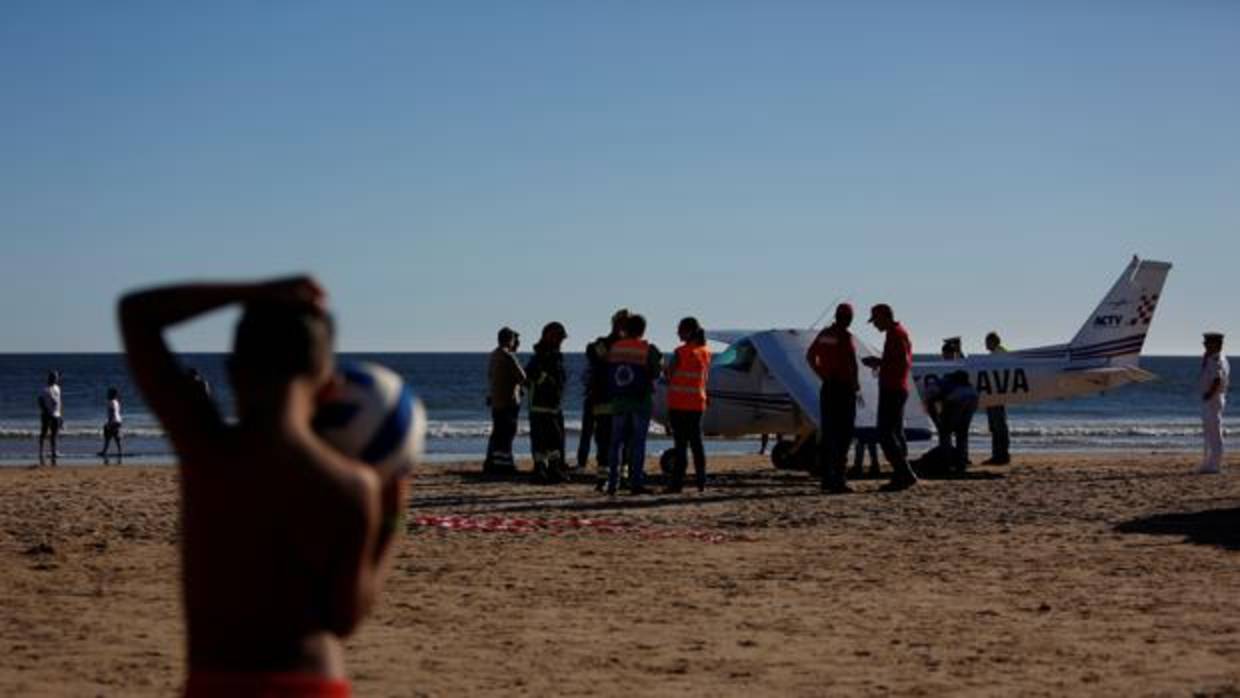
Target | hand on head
(296,289)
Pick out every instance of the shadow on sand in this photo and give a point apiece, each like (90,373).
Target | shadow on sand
(571,497)
(1218,527)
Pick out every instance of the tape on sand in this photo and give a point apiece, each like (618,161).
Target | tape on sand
(557,526)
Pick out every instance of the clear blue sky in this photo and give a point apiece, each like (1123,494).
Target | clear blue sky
(446,168)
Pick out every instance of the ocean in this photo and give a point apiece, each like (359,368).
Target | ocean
(1157,416)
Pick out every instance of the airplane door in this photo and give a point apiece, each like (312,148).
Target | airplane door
(770,411)
(734,392)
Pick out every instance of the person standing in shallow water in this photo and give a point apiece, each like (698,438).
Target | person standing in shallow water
(112,424)
(50,415)
(687,376)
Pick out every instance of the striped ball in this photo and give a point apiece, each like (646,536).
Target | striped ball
(374,417)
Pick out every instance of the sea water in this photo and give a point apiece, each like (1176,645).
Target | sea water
(1156,416)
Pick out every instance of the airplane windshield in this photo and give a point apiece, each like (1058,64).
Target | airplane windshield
(738,357)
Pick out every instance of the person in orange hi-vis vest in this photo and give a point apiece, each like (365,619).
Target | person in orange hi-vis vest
(686,401)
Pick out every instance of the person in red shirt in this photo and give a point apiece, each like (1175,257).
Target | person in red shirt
(893,387)
(834,358)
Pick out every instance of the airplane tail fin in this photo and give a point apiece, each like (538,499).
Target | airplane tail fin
(1116,330)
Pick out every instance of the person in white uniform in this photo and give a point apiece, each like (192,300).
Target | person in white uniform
(1213,389)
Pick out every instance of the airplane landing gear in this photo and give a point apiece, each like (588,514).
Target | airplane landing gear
(783,456)
(667,462)
(801,454)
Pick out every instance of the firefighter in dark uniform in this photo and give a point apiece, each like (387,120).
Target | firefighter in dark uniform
(996,417)
(834,358)
(545,376)
(597,408)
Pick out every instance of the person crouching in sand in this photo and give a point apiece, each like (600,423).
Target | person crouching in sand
(285,540)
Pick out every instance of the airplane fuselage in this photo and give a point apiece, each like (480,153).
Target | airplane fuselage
(1004,380)
(749,401)
(763,383)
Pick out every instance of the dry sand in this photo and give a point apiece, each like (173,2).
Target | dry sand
(1064,574)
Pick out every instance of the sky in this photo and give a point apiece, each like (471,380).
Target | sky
(448,168)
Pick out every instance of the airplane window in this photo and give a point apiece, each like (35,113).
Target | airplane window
(738,357)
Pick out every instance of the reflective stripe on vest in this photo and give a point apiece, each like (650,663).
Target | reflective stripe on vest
(624,352)
(686,388)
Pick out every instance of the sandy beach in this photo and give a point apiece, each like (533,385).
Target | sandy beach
(1100,574)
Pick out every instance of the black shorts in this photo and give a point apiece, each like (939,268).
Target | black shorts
(110,430)
(49,425)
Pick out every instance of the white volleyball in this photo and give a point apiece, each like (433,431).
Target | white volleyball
(374,416)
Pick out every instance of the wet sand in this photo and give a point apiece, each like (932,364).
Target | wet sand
(1064,574)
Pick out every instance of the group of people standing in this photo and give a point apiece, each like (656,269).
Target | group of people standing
(833,356)
(950,403)
(622,369)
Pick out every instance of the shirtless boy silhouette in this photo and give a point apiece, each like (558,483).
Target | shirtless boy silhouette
(284,539)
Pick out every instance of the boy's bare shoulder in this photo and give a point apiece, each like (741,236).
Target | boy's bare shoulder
(336,475)
(303,470)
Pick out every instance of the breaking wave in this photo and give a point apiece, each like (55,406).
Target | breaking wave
(1032,433)
(480,430)
(1102,429)
(81,432)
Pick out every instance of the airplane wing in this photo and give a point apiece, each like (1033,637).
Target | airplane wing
(783,354)
(1106,377)
(728,336)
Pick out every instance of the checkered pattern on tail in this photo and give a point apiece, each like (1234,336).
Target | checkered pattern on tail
(1116,329)
(1145,309)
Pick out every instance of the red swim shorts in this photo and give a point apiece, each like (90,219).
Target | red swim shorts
(203,684)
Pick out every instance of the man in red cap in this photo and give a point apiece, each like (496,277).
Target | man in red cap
(893,387)
(834,358)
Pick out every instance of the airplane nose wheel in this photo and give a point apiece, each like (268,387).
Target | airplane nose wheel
(667,462)
(783,456)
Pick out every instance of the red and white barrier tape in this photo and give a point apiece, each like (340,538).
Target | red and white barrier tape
(505,524)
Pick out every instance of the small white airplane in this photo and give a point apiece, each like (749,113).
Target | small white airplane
(762,384)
